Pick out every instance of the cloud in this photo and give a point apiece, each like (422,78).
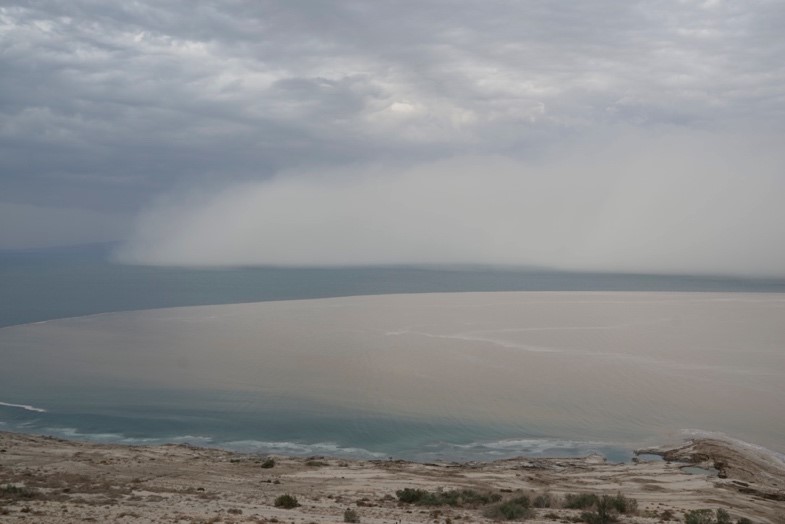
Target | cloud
(107,107)
(632,202)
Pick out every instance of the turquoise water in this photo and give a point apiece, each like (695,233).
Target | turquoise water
(212,419)
(152,377)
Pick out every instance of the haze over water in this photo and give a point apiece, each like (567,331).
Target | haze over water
(460,375)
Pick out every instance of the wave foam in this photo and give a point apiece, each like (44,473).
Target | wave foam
(244,446)
(26,407)
(526,446)
(119,438)
(297,448)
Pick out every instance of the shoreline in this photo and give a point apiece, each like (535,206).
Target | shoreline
(54,480)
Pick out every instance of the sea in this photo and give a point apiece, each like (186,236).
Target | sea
(418,363)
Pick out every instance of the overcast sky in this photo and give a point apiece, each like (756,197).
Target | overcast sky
(620,135)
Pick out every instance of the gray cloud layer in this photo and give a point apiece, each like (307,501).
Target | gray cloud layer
(107,107)
(644,203)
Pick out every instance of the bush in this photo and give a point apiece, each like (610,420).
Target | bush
(699,516)
(10,491)
(603,512)
(706,516)
(579,500)
(286,501)
(466,497)
(455,497)
(623,504)
(543,501)
(411,495)
(269,463)
(350,515)
(606,507)
(514,509)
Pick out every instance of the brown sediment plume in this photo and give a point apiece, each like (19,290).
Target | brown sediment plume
(50,480)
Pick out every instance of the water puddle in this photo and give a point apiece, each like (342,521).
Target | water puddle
(649,457)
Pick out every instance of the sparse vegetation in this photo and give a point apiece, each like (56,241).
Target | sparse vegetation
(455,498)
(513,509)
(699,516)
(286,501)
(603,512)
(605,509)
(350,515)
(579,500)
(545,500)
(412,495)
(9,491)
(269,463)
(707,516)
(622,504)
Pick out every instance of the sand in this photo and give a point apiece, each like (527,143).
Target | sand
(67,481)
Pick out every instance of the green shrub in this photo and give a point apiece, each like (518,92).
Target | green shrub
(269,463)
(523,500)
(623,504)
(706,516)
(411,495)
(543,501)
(350,515)
(606,508)
(9,491)
(514,509)
(286,501)
(466,497)
(579,500)
(699,516)
(455,497)
(603,511)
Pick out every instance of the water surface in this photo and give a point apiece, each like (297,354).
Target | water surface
(428,376)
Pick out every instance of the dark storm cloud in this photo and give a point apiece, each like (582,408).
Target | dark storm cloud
(105,107)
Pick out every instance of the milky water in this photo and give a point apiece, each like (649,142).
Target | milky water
(428,376)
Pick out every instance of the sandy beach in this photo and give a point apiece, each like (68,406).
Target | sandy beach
(51,480)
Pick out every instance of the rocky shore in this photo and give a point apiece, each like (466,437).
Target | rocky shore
(51,480)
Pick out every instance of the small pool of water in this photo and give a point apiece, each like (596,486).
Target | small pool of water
(649,457)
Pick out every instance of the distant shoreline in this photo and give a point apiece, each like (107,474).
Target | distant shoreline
(56,480)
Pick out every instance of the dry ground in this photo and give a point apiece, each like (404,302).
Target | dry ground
(62,482)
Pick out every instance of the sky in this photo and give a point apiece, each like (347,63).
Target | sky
(600,135)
